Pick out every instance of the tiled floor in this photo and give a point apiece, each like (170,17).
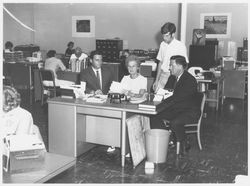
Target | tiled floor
(224,155)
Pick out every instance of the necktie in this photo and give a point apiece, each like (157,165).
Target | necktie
(98,79)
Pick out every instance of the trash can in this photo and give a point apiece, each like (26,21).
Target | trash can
(157,145)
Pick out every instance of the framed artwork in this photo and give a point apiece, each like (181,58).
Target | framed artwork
(199,37)
(217,25)
(83,26)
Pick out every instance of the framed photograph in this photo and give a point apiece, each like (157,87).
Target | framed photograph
(83,26)
(217,25)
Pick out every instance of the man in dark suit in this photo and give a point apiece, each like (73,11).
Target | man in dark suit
(182,107)
(98,78)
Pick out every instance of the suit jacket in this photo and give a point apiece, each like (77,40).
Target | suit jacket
(184,97)
(88,75)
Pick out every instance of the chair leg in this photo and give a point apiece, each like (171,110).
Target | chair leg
(177,147)
(42,99)
(199,139)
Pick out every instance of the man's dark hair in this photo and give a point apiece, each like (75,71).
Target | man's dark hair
(51,53)
(168,27)
(95,52)
(181,60)
(8,45)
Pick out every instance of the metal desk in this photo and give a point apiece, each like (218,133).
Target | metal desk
(75,126)
(53,165)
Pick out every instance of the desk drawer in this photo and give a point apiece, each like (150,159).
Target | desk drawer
(99,112)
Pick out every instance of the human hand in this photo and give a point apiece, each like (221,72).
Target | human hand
(155,84)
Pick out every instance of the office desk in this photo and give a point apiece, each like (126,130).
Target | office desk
(54,164)
(219,93)
(75,126)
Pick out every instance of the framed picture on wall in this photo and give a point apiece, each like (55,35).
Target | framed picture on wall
(217,25)
(83,26)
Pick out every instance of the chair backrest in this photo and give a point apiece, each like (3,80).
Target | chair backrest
(46,75)
(202,100)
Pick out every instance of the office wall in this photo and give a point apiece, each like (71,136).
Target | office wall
(139,23)
(12,30)
(239,27)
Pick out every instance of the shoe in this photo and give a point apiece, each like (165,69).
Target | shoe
(111,149)
(171,145)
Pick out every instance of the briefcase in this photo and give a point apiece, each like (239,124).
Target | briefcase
(23,153)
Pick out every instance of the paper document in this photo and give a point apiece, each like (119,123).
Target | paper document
(116,87)
(162,94)
(95,100)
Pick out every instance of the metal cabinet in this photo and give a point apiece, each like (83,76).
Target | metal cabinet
(234,83)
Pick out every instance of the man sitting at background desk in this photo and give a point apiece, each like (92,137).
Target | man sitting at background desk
(78,56)
(181,107)
(97,77)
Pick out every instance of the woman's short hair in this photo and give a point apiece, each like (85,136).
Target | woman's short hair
(12,98)
(8,45)
(70,43)
(132,58)
(51,53)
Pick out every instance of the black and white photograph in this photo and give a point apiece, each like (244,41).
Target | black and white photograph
(124,92)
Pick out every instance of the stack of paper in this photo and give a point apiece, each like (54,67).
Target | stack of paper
(116,87)
(95,100)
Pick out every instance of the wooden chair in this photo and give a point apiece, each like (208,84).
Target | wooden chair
(194,128)
(52,89)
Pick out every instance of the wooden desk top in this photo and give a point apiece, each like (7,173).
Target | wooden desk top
(54,164)
(126,106)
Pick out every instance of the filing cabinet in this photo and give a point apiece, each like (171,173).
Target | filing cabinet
(110,49)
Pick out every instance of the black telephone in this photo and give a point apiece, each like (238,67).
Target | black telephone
(116,97)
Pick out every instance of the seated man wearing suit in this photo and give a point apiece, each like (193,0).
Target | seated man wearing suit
(181,107)
(98,78)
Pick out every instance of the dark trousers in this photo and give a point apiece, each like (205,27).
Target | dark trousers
(177,119)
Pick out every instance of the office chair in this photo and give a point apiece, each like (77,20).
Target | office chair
(194,128)
(50,89)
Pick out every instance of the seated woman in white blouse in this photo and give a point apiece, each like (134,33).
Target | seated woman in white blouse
(135,84)
(16,120)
